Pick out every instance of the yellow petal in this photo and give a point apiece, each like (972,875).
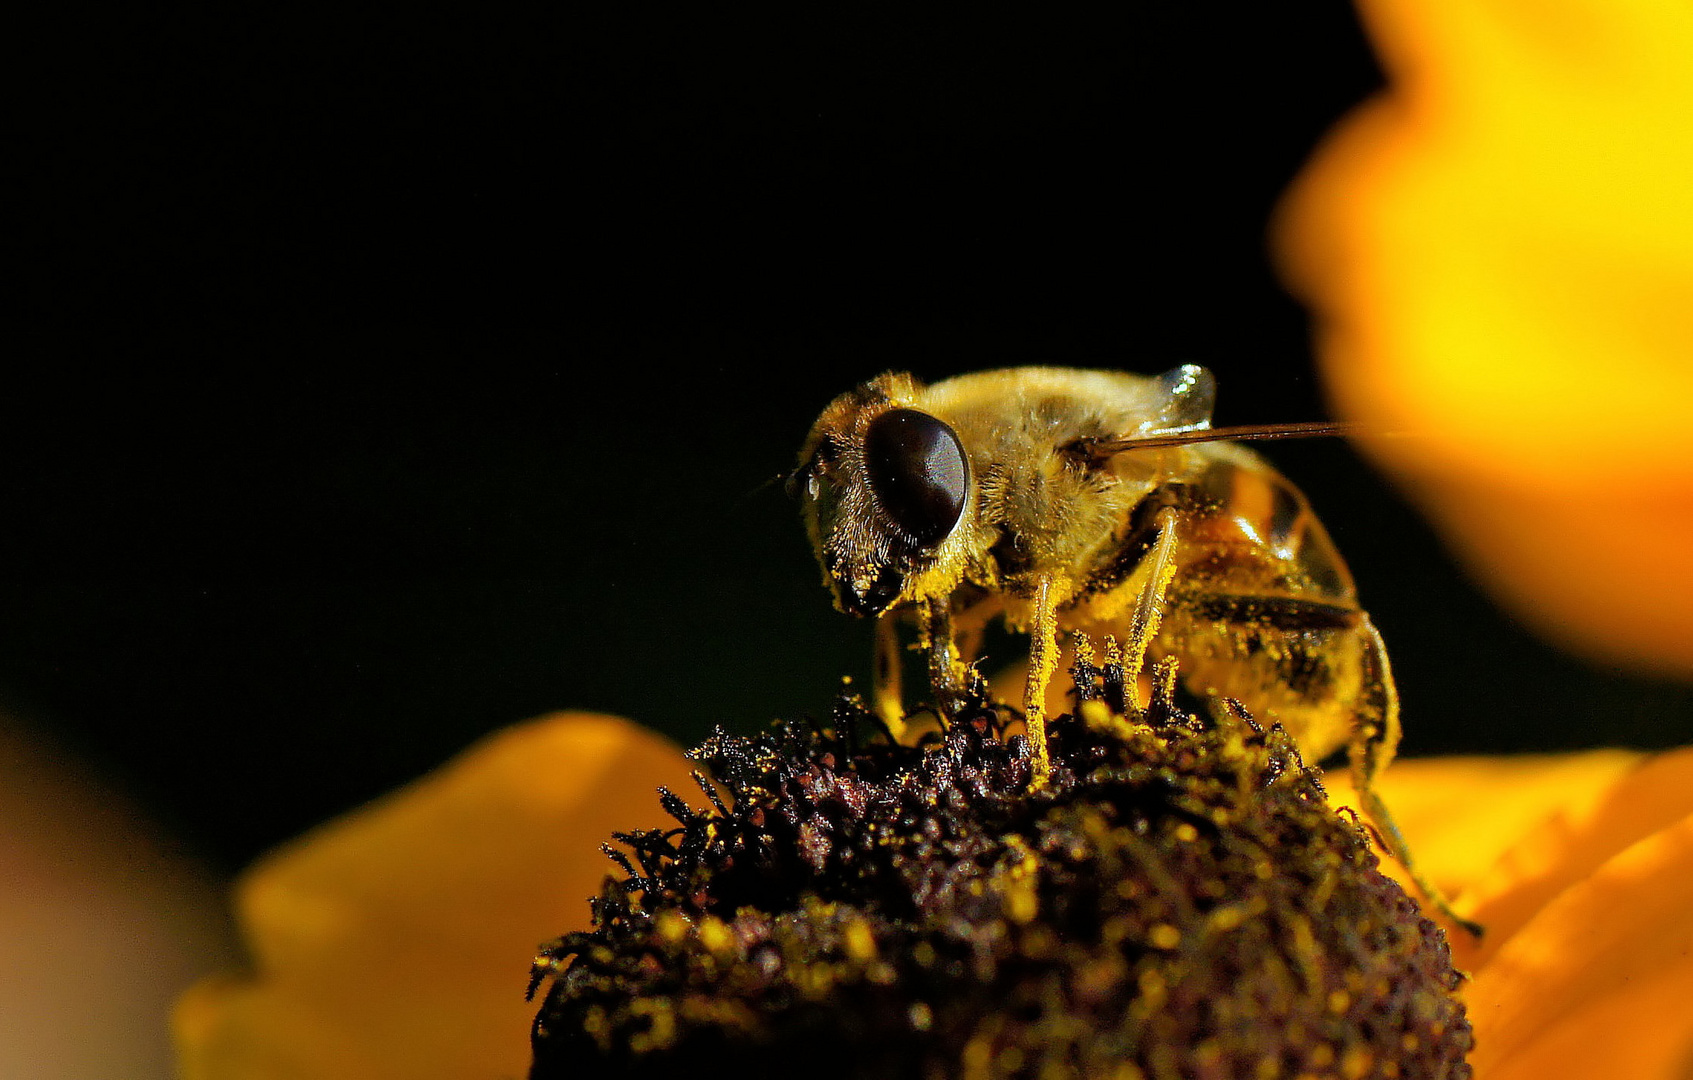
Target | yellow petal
(395,942)
(1500,254)
(1462,814)
(1597,984)
(1574,844)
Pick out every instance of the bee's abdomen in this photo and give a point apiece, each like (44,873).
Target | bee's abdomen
(1248,529)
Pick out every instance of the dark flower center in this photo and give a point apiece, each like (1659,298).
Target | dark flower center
(1179,901)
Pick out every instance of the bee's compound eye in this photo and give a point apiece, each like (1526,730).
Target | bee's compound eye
(918,472)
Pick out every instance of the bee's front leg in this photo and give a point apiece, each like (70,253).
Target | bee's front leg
(1043,660)
(946,671)
(1051,592)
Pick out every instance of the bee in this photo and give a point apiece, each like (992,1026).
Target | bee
(1101,502)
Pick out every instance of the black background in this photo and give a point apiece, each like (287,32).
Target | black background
(384,376)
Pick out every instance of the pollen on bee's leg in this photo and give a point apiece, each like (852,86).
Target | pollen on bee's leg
(1043,661)
(886,678)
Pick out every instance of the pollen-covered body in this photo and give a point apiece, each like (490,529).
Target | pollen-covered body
(1259,607)
(1036,507)
(1060,499)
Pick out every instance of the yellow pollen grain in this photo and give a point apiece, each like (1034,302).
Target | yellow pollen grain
(672,927)
(715,935)
(1099,717)
(1022,905)
(598,1027)
(661,1026)
(1186,833)
(1096,715)
(1339,1002)
(859,942)
(1164,936)
(1229,917)
(1151,984)
(1356,1062)
(1039,943)
(1019,884)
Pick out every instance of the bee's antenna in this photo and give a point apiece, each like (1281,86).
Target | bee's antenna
(780,478)
(1248,433)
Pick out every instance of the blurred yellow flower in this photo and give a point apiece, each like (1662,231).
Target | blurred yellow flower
(1499,253)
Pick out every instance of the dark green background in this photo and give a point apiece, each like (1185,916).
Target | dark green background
(386,376)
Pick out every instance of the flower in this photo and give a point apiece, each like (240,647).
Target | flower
(1581,868)
(1170,896)
(395,941)
(1499,253)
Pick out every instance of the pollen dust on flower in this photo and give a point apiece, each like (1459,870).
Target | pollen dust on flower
(1178,899)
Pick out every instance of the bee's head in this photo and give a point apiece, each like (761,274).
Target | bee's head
(883,486)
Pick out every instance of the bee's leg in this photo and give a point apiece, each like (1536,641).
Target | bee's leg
(946,672)
(1375,738)
(886,697)
(1043,660)
(1149,605)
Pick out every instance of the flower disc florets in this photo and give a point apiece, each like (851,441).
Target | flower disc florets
(1178,901)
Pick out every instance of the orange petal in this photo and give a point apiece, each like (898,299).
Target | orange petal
(1597,984)
(395,942)
(1500,254)
(1461,814)
(1574,844)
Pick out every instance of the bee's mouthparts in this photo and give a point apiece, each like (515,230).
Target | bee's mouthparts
(872,597)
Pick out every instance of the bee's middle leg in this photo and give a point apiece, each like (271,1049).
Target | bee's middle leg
(886,690)
(1149,604)
(1043,661)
